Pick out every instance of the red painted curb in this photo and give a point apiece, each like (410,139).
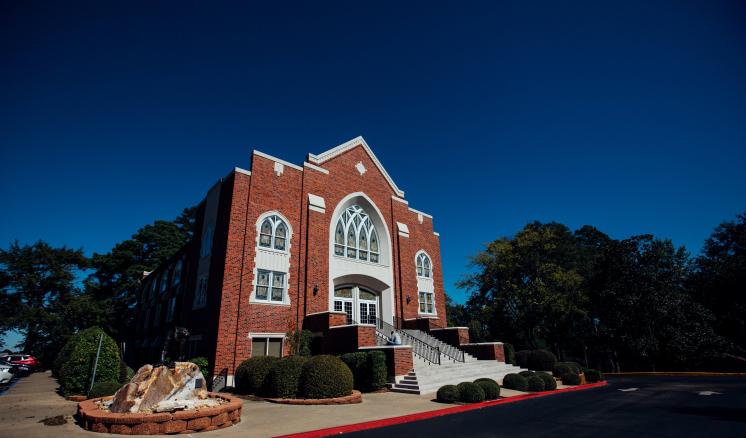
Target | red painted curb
(431,414)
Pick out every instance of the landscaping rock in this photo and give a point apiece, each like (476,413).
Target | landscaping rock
(161,389)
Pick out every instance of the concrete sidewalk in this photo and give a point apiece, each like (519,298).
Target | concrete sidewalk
(34,398)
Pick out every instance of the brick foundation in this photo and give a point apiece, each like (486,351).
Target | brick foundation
(398,359)
(486,350)
(455,336)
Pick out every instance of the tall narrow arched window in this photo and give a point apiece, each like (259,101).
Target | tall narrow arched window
(424,266)
(273,233)
(355,235)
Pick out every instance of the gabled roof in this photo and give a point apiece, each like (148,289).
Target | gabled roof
(344,147)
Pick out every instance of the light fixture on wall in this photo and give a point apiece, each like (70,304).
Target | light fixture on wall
(315,289)
(409,298)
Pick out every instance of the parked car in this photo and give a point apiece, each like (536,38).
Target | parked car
(6,374)
(23,359)
(18,370)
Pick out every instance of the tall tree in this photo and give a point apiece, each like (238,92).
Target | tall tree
(38,292)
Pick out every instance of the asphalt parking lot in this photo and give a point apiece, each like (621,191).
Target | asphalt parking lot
(627,407)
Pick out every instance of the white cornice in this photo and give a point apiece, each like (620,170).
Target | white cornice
(277,160)
(315,167)
(403,201)
(344,147)
(244,171)
(419,212)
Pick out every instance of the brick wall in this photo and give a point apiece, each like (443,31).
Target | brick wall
(486,350)
(399,360)
(455,336)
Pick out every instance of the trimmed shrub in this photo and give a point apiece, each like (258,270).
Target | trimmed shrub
(486,379)
(549,383)
(515,381)
(102,389)
(570,379)
(368,369)
(535,384)
(62,356)
(521,358)
(592,376)
(284,377)
(470,392)
(561,368)
(251,373)
(202,363)
(299,342)
(509,353)
(490,388)
(448,394)
(541,360)
(76,367)
(325,376)
(574,367)
(526,374)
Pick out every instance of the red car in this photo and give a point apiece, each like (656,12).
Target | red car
(23,360)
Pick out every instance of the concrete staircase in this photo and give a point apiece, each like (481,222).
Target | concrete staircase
(427,377)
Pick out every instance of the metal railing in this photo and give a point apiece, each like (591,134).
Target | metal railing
(451,352)
(425,351)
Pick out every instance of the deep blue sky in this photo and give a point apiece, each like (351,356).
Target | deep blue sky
(627,116)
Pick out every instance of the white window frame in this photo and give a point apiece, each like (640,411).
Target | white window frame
(270,286)
(200,293)
(347,220)
(420,303)
(267,337)
(275,219)
(420,259)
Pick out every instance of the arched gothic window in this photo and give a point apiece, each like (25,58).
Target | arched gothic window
(273,233)
(355,236)
(424,267)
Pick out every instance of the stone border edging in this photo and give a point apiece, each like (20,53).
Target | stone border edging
(674,374)
(197,420)
(355,397)
(431,414)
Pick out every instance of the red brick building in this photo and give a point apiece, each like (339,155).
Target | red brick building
(331,246)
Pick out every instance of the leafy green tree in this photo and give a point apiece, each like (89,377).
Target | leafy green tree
(39,295)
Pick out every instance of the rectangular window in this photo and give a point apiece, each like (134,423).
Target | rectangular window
(426,302)
(171,308)
(200,295)
(266,347)
(270,286)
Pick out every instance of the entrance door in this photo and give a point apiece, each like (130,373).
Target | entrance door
(360,305)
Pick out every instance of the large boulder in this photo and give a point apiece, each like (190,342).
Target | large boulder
(154,388)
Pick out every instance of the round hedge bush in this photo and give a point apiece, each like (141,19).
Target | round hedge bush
(570,379)
(76,366)
(541,360)
(490,388)
(521,358)
(527,374)
(325,376)
(448,394)
(592,376)
(560,369)
(509,353)
(535,384)
(574,367)
(486,379)
(470,392)
(549,383)
(102,389)
(284,377)
(515,382)
(251,373)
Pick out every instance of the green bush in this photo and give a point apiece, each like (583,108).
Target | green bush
(448,394)
(126,374)
(299,342)
(521,358)
(570,379)
(535,384)
(76,367)
(541,360)
(102,389)
(378,370)
(470,392)
(251,373)
(284,377)
(62,357)
(486,379)
(509,353)
(490,387)
(549,383)
(515,381)
(202,363)
(574,367)
(526,374)
(561,368)
(592,376)
(325,376)
(368,369)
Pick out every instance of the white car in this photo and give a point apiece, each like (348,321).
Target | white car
(6,374)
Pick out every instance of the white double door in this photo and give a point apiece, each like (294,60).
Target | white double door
(360,304)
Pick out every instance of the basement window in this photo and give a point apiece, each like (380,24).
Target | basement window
(266,346)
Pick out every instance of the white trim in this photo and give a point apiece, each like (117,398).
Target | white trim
(327,311)
(419,212)
(483,343)
(344,147)
(430,259)
(316,209)
(436,234)
(424,316)
(315,167)
(379,347)
(403,201)
(403,229)
(316,203)
(351,325)
(277,160)
(448,328)
(239,170)
(266,335)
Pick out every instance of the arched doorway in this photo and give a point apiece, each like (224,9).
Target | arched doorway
(361,305)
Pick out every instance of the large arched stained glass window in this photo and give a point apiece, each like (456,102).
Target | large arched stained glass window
(355,236)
